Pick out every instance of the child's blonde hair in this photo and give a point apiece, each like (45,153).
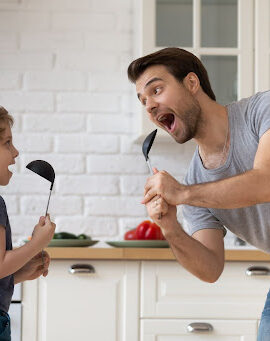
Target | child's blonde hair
(5,118)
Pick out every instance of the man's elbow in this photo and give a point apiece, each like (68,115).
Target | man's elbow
(213,279)
(212,276)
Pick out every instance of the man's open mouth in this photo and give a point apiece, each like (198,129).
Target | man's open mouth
(168,121)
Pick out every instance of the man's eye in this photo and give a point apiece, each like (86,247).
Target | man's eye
(156,90)
(8,142)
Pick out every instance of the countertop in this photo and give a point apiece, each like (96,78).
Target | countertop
(144,254)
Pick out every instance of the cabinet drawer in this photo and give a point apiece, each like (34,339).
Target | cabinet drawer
(168,290)
(172,330)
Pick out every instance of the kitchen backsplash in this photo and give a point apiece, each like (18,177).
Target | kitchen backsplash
(63,76)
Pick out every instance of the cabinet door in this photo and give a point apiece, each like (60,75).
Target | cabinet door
(219,32)
(175,330)
(262,45)
(89,306)
(169,291)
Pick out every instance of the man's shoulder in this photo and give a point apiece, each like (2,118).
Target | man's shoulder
(259,97)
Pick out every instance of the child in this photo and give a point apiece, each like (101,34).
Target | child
(25,262)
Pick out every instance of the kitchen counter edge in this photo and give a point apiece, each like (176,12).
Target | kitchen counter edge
(143,254)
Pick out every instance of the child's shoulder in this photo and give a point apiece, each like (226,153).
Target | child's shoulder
(2,202)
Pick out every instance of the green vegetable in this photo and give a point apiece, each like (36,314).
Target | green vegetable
(64,235)
(83,236)
(67,235)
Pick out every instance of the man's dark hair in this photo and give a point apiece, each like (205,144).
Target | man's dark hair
(178,62)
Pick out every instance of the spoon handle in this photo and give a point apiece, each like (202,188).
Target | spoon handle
(42,252)
(152,173)
(48,203)
(150,166)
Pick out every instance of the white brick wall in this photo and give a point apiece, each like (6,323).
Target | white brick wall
(63,76)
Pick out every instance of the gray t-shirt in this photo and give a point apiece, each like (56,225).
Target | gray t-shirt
(6,283)
(249,119)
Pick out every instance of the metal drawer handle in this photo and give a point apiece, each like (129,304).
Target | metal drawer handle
(199,327)
(258,271)
(81,268)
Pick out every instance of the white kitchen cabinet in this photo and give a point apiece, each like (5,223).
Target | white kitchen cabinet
(262,45)
(143,301)
(169,291)
(175,330)
(88,306)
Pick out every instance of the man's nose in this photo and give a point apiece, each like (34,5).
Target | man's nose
(151,106)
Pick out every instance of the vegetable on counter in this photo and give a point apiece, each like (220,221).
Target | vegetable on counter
(67,235)
(146,230)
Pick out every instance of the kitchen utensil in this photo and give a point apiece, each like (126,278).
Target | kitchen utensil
(46,171)
(147,144)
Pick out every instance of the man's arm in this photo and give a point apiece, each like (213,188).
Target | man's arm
(202,254)
(246,189)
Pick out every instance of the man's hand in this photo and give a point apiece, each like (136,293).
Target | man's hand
(162,214)
(164,185)
(34,268)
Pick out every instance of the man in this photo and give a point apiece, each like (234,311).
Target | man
(227,183)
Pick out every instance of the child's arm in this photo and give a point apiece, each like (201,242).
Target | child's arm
(12,260)
(33,269)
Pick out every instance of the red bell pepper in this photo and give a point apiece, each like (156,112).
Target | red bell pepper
(146,230)
(130,235)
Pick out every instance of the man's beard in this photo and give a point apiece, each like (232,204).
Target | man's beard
(190,119)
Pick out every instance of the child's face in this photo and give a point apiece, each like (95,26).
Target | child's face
(8,153)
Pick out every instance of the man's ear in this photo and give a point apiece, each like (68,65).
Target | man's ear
(191,82)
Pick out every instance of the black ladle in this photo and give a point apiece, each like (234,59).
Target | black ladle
(147,144)
(45,170)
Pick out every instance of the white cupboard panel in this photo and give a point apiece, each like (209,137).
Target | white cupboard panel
(168,290)
(98,306)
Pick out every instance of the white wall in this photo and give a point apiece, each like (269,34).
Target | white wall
(63,76)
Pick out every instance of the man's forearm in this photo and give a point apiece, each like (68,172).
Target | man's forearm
(247,189)
(194,256)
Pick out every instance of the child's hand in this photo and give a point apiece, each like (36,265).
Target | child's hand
(43,231)
(34,268)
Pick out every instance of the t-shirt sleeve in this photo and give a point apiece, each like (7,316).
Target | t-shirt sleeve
(258,113)
(199,218)
(3,212)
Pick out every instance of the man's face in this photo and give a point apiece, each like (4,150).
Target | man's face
(169,104)
(8,153)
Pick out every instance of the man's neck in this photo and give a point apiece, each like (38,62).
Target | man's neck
(213,128)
